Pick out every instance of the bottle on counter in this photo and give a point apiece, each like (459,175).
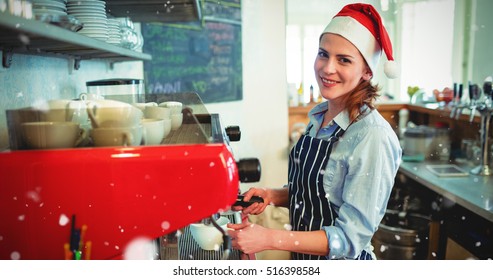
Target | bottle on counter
(301,96)
(313,98)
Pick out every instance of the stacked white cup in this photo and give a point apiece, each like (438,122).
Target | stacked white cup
(115,123)
(176,114)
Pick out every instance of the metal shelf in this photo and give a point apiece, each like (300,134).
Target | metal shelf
(19,35)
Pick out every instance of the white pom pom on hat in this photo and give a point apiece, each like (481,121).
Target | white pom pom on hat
(362,26)
(391,69)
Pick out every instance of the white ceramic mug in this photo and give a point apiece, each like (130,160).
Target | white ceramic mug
(117,136)
(143,106)
(63,110)
(208,236)
(153,112)
(175,106)
(167,127)
(154,131)
(176,121)
(111,113)
(52,135)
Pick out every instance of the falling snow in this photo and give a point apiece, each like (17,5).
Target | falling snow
(139,249)
(336,244)
(63,220)
(34,196)
(24,39)
(15,256)
(165,225)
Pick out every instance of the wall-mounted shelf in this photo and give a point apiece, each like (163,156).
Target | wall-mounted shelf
(19,35)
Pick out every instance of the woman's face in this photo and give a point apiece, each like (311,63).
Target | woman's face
(339,67)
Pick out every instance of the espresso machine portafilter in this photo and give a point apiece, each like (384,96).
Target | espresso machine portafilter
(181,245)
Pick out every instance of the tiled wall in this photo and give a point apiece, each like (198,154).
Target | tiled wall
(31,79)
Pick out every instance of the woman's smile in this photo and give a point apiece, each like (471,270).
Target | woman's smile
(328,83)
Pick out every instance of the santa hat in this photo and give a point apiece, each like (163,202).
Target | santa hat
(362,26)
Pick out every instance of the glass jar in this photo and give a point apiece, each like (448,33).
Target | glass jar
(442,144)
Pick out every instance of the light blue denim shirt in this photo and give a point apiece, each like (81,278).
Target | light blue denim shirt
(358,178)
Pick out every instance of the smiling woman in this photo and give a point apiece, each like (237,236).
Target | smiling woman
(436,42)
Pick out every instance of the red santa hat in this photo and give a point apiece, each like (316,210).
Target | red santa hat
(362,26)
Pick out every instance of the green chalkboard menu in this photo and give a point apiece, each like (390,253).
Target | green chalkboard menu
(203,57)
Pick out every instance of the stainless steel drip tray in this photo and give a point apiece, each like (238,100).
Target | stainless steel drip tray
(182,246)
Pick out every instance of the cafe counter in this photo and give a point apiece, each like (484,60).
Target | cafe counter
(460,207)
(473,192)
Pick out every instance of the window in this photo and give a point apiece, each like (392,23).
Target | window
(426,45)
(301,50)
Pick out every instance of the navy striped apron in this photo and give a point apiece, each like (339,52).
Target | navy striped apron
(309,207)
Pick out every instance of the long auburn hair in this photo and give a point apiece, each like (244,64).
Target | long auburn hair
(365,93)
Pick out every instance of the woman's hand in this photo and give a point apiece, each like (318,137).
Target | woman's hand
(249,238)
(256,208)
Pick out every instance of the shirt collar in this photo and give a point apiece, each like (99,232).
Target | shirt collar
(342,119)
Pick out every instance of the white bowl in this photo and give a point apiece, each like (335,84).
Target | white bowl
(207,236)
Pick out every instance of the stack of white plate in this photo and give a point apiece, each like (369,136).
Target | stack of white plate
(92,13)
(49,7)
(115,32)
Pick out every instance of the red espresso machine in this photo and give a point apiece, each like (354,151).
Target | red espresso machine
(92,202)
